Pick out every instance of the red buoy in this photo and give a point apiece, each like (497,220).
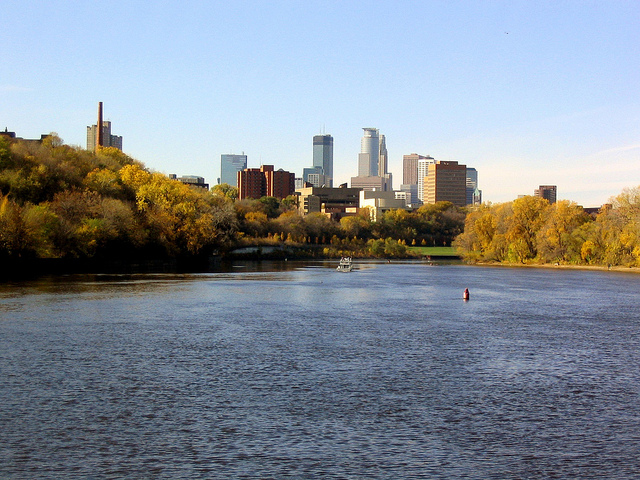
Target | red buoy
(465,295)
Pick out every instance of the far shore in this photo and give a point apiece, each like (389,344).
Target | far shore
(30,268)
(612,268)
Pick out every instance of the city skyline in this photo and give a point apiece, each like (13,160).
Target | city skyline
(529,94)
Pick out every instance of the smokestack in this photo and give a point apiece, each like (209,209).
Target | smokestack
(99,140)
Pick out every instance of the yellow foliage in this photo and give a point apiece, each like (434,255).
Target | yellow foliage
(134,176)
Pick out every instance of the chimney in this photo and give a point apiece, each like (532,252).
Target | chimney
(99,139)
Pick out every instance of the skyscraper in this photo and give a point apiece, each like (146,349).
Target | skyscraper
(382,156)
(323,157)
(423,171)
(230,165)
(372,162)
(446,181)
(369,156)
(410,168)
(383,162)
(315,177)
(471,184)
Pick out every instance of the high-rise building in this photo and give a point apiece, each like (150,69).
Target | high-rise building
(423,171)
(369,157)
(382,157)
(318,180)
(323,157)
(100,134)
(230,165)
(446,182)
(410,168)
(471,184)
(372,163)
(547,191)
(383,163)
(265,182)
(314,176)
(474,194)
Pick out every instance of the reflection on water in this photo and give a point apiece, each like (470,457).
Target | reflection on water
(298,371)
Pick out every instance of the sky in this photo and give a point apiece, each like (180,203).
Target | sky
(527,92)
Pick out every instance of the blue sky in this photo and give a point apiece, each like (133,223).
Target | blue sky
(528,93)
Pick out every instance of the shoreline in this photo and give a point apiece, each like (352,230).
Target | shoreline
(33,268)
(603,268)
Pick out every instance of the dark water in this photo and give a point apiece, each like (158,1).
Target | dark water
(382,373)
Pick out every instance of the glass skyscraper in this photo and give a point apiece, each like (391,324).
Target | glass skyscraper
(369,153)
(230,165)
(323,156)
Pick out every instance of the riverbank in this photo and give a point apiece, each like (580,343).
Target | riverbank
(612,268)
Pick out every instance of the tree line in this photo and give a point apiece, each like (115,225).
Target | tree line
(530,230)
(60,201)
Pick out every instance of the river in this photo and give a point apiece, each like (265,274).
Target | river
(295,371)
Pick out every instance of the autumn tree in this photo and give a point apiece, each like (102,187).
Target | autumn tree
(523,226)
(556,241)
(358,226)
(13,231)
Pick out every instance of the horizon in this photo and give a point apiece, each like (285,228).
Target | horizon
(527,94)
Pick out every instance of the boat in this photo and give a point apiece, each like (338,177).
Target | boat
(345,265)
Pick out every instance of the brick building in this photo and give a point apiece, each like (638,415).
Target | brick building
(265,182)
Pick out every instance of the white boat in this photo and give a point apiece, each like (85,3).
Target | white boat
(345,265)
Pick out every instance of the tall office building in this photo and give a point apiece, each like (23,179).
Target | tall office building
(314,177)
(547,191)
(100,134)
(423,171)
(410,168)
(323,157)
(372,162)
(474,194)
(446,182)
(382,156)
(369,156)
(383,162)
(230,165)
(471,184)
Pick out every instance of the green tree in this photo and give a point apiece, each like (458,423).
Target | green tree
(226,190)
(270,206)
(394,248)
